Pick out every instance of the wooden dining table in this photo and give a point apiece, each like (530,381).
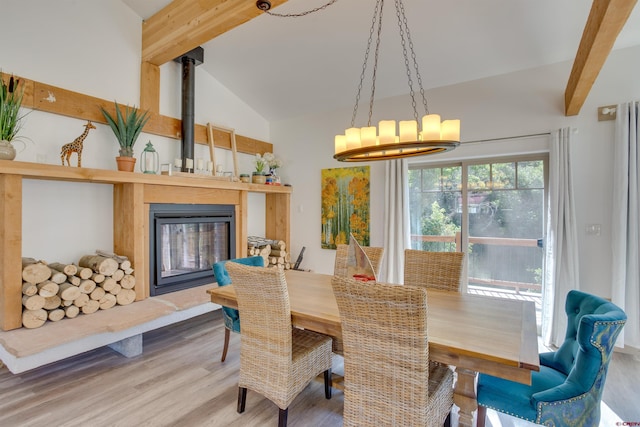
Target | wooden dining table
(472,333)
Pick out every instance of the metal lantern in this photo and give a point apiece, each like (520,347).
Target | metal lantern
(149,160)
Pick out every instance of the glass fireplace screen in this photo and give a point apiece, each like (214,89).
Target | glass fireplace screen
(185,243)
(192,247)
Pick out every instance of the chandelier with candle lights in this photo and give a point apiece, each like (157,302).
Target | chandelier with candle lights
(388,141)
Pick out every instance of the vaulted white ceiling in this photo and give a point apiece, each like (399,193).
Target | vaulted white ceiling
(285,67)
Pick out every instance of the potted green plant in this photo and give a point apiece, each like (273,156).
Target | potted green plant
(10,117)
(259,175)
(126,127)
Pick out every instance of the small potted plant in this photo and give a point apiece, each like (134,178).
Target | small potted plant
(10,117)
(126,127)
(259,175)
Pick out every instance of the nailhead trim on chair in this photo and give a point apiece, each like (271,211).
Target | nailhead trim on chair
(502,411)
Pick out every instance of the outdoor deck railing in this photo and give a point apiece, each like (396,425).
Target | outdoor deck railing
(495,241)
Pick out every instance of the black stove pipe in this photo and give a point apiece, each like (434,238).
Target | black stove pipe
(189,62)
(188,107)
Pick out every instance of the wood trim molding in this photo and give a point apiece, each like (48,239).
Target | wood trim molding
(606,19)
(186,24)
(150,87)
(44,97)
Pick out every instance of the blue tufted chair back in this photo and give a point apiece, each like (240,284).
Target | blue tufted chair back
(230,315)
(568,388)
(593,327)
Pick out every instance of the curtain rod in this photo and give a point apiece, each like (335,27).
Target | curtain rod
(505,137)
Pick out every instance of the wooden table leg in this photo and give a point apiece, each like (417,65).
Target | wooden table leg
(464,396)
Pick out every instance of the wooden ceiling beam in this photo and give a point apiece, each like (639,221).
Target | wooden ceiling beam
(185,24)
(606,19)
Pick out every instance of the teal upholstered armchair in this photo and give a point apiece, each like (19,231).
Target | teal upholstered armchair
(568,389)
(230,315)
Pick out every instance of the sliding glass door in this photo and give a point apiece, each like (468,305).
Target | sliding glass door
(494,211)
(435,198)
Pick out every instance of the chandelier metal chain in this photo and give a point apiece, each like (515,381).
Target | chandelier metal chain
(377,17)
(297,15)
(384,142)
(405,39)
(402,22)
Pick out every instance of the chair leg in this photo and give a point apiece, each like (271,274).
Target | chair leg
(242,399)
(482,415)
(282,417)
(327,383)
(227,334)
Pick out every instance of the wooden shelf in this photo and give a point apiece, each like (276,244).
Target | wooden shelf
(132,195)
(104,176)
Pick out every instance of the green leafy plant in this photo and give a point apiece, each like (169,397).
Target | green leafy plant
(261,164)
(126,127)
(10,102)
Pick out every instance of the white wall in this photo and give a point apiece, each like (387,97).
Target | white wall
(93,47)
(526,102)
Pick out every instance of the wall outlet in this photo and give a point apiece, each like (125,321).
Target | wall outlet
(592,229)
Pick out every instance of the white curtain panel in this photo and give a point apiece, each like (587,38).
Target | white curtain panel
(625,236)
(396,220)
(561,243)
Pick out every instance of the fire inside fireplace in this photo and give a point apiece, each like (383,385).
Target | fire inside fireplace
(185,241)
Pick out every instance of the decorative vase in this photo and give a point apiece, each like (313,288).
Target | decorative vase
(126,164)
(259,178)
(274,174)
(7,152)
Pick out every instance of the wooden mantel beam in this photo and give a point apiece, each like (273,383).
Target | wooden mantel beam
(185,24)
(606,19)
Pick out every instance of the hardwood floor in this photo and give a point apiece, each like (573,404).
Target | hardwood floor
(622,389)
(179,381)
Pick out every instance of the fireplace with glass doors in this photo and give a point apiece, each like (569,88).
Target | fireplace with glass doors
(185,241)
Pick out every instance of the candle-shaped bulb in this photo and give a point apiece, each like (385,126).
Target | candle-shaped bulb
(387,131)
(408,131)
(340,143)
(451,130)
(431,127)
(368,136)
(353,138)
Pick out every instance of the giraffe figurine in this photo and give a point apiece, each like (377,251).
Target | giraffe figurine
(75,146)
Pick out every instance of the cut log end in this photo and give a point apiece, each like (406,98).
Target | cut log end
(99,264)
(34,318)
(126,297)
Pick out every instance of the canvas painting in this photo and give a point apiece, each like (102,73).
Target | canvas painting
(345,206)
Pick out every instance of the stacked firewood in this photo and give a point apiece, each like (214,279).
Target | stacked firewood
(56,290)
(274,252)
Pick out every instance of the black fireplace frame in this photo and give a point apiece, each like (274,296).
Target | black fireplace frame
(164,213)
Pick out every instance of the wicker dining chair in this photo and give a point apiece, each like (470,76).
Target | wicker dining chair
(340,269)
(433,270)
(230,315)
(342,254)
(276,360)
(388,379)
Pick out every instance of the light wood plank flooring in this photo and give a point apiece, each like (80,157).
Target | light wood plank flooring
(179,381)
